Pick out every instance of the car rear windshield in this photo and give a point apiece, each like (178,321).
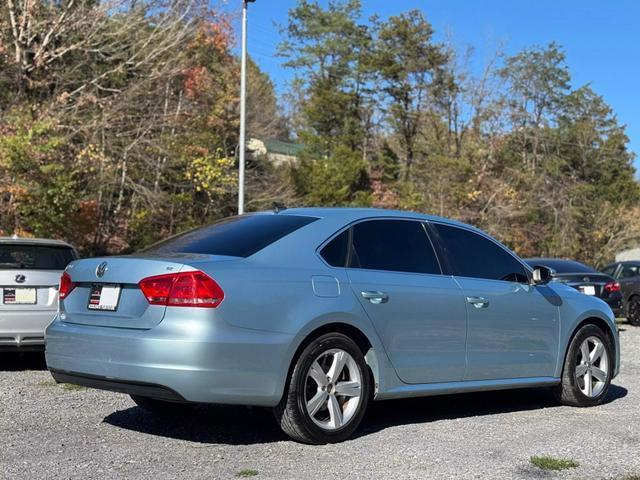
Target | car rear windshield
(35,257)
(239,236)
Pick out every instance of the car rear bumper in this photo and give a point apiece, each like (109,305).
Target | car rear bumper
(615,303)
(24,330)
(196,357)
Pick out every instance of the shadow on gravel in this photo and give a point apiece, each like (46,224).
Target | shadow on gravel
(387,414)
(230,425)
(234,425)
(17,362)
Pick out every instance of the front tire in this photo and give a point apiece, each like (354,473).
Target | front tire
(327,392)
(588,368)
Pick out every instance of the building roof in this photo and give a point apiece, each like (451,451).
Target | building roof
(283,148)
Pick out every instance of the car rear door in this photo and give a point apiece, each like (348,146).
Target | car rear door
(513,327)
(418,313)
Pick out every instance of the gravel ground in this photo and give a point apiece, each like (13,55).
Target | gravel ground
(53,431)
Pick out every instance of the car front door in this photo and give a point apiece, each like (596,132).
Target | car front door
(513,326)
(419,314)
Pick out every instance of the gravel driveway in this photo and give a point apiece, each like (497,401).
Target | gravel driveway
(53,431)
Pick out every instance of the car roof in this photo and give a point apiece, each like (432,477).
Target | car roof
(355,213)
(33,241)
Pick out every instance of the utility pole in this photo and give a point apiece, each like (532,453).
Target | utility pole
(243,107)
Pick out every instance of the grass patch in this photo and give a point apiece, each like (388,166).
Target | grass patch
(70,387)
(247,472)
(551,463)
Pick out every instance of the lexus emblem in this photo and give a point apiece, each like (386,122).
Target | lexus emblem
(101,269)
(20,278)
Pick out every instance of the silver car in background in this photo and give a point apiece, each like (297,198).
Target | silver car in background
(30,271)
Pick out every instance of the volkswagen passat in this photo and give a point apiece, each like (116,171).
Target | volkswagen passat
(315,312)
(30,271)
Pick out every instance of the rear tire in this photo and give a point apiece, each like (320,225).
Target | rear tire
(327,393)
(587,370)
(162,407)
(633,311)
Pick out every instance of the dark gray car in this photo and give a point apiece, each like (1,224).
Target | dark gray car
(627,274)
(30,271)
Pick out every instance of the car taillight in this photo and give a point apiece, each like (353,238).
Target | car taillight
(612,287)
(184,289)
(66,286)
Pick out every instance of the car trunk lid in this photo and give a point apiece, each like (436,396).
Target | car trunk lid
(22,289)
(589,283)
(120,277)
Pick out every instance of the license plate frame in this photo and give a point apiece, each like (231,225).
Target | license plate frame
(20,296)
(98,301)
(588,290)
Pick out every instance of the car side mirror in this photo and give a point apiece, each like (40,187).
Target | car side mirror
(542,275)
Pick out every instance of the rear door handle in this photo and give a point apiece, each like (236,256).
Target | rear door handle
(478,302)
(375,297)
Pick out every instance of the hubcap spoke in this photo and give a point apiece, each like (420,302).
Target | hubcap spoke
(348,389)
(317,402)
(588,385)
(581,370)
(599,374)
(339,361)
(318,374)
(596,353)
(584,348)
(335,412)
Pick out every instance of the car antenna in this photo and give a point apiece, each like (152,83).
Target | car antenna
(278,207)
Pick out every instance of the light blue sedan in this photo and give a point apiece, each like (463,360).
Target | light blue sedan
(315,312)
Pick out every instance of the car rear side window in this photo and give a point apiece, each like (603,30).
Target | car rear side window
(393,245)
(335,252)
(239,236)
(475,256)
(35,257)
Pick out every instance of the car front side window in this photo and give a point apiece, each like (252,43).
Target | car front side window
(473,255)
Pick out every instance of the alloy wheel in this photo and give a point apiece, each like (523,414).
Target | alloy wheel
(592,367)
(333,389)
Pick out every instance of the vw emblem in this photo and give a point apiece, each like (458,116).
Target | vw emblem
(20,278)
(101,269)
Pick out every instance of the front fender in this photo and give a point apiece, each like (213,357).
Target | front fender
(578,310)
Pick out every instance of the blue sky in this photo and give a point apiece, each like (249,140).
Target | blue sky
(601,38)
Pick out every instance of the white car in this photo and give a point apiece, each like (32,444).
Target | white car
(30,271)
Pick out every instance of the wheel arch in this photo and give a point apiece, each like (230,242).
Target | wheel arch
(370,347)
(603,325)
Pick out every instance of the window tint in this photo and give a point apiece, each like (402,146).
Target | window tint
(395,245)
(239,236)
(475,256)
(629,271)
(335,252)
(37,257)
(610,270)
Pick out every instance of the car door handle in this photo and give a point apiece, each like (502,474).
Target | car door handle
(375,297)
(478,302)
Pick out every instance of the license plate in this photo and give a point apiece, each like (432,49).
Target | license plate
(104,297)
(588,289)
(19,296)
